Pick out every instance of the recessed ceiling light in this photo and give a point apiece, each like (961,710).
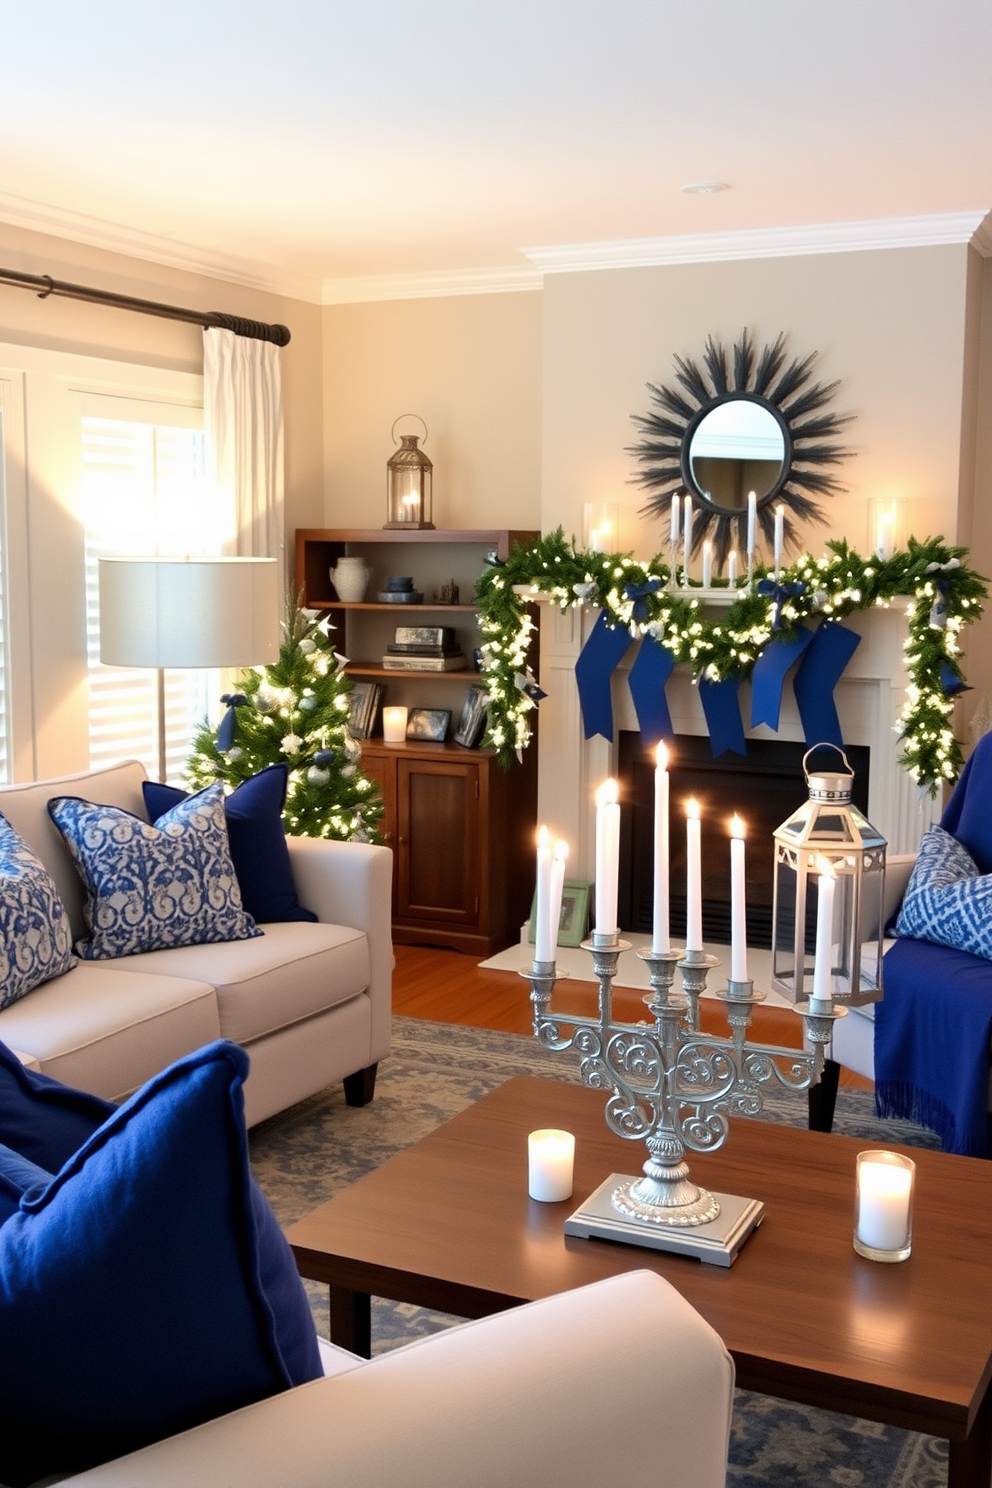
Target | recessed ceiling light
(705,188)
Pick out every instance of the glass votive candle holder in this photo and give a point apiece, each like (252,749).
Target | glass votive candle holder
(394,725)
(883,1212)
(550,1160)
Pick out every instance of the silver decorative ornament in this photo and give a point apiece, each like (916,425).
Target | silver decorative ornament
(265,703)
(307,703)
(318,777)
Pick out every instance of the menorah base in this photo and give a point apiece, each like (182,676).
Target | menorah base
(681,1204)
(717,1242)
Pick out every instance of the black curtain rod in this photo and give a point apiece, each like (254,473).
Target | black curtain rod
(255,330)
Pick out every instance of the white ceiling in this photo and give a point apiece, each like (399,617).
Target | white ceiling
(310,144)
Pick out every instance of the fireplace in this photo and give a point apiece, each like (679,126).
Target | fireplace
(869,698)
(763,788)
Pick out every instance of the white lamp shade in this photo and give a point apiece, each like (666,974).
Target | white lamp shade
(189,612)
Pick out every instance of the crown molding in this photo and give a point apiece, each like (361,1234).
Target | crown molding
(424,286)
(775,242)
(96,232)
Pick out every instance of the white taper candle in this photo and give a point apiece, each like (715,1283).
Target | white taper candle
(607,857)
(660,932)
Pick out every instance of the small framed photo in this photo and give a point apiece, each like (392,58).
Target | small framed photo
(430,724)
(472,722)
(573,924)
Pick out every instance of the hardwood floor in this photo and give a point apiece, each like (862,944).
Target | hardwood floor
(447,987)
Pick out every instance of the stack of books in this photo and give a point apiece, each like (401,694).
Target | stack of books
(424,648)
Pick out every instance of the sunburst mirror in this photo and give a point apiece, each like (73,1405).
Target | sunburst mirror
(735,425)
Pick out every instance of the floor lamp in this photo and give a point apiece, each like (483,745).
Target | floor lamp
(188,612)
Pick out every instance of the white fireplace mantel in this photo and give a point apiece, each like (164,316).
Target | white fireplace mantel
(869,699)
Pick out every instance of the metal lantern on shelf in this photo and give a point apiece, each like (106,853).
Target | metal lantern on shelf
(828,825)
(409,474)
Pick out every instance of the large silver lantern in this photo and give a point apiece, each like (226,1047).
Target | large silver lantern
(829,826)
(409,476)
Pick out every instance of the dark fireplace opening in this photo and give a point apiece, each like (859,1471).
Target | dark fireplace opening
(763,788)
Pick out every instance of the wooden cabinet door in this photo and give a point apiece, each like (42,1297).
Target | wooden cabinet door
(382,770)
(438,874)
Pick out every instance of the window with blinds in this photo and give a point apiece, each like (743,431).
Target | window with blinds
(142,494)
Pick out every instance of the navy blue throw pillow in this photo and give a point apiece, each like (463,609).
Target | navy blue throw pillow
(17,1178)
(148,1287)
(258,841)
(42,1119)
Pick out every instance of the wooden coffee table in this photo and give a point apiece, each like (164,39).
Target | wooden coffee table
(448,1225)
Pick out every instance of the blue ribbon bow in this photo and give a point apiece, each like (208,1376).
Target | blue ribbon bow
(225,733)
(638,593)
(779,593)
(939,572)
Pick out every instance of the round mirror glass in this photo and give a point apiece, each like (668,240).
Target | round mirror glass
(737,447)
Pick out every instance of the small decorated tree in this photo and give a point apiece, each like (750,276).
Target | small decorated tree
(296,712)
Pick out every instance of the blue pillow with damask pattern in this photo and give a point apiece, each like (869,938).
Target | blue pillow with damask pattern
(948,901)
(149,888)
(35,939)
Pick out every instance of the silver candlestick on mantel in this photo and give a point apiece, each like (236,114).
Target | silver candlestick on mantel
(674,1087)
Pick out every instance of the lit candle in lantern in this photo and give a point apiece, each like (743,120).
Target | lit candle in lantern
(738,914)
(693,879)
(545,938)
(779,534)
(707,564)
(660,934)
(607,858)
(687,532)
(676,521)
(752,526)
(885,540)
(732,568)
(823,961)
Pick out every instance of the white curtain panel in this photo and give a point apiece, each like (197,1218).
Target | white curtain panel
(242,416)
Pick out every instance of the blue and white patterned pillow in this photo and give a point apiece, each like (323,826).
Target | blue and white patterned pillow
(35,939)
(149,888)
(947,900)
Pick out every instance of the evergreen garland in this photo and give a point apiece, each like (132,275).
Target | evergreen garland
(947,596)
(295,712)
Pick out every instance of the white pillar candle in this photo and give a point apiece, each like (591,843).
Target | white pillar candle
(550,1161)
(885,538)
(823,961)
(544,938)
(660,934)
(738,910)
(558,861)
(752,526)
(779,533)
(693,879)
(394,725)
(607,857)
(707,564)
(732,568)
(687,532)
(676,521)
(884,1200)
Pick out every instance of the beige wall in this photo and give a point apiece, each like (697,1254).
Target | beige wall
(94,330)
(890,326)
(470,366)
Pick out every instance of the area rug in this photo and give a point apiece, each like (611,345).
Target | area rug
(434,1071)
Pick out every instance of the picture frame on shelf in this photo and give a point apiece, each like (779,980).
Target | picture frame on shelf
(573,923)
(428,725)
(364,701)
(471,724)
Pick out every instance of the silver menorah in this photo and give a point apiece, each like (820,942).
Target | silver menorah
(674,1087)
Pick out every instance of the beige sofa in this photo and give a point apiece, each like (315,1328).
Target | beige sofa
(311,1003)
(617,1382)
